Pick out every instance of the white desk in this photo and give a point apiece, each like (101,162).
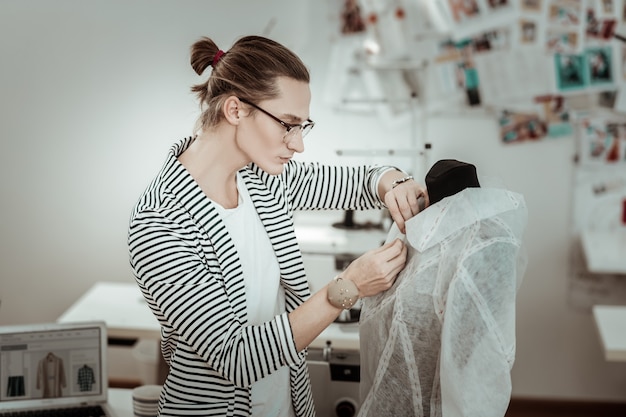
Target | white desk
(604,250)
(126,314)
(121,400)
(611,324)
(124,310)
(121,306)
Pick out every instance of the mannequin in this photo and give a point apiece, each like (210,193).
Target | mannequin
(448,177)
(441,341)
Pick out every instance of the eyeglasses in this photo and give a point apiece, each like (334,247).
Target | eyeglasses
(292,129)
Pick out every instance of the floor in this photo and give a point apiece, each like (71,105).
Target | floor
(536,408)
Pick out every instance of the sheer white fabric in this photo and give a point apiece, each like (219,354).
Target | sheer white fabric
(441,341)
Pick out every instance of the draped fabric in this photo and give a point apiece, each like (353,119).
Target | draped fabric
(441,341)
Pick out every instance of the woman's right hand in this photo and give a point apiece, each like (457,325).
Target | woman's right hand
(376,270)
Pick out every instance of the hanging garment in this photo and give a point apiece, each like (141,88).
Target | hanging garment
(16,370)
(85,378)
(51,376)
(441,341)
(15,386)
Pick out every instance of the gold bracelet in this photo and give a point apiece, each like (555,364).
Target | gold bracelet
(401,180)
(342,293)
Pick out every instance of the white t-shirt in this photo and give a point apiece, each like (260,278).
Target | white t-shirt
(265,297)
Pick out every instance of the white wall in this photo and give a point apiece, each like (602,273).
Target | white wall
(94,92)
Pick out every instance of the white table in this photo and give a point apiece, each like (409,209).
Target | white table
(124,310)
(121,400)
(604,250)
(611,324)
(121,306)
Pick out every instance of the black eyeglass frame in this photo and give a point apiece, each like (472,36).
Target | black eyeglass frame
(304,127)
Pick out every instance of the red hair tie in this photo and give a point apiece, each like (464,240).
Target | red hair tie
(217,57)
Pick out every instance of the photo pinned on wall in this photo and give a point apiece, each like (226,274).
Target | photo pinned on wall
(547,117)
(462,10)
(605,7)
(455,61)
(490,40)
(564,23)
(599,28)
(607,99)
(599,61)
(528,32)
(351,18)
(529,27)
(562,42)
(533,6)
(496,4)
(556,115)
(570,71)
(466,18)
(591,69)
(617,152)
(602,141)
(565,13)
(516,126)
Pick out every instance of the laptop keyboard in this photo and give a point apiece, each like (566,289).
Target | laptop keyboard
(89,411)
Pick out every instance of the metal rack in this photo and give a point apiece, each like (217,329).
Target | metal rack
(418,148)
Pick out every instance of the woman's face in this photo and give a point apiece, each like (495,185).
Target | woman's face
(260,137)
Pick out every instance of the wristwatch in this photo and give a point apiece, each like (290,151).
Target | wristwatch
(342,293)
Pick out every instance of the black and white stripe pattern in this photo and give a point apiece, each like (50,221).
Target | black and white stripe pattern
(189,272)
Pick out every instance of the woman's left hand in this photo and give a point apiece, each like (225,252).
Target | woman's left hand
(403,201)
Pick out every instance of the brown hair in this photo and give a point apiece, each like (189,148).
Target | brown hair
(248,70)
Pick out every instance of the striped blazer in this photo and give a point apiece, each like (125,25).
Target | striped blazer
(188,270)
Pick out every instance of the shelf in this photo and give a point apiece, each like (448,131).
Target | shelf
(611,324)
(604,250)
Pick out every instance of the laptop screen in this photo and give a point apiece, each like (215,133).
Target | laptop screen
(52,363)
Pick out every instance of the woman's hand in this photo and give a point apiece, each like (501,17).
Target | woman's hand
(403,201)
(376,270)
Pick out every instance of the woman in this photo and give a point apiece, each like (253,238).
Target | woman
(212,241)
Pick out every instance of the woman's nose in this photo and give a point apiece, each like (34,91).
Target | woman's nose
(296,143)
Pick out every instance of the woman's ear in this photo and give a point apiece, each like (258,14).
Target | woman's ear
(232,110)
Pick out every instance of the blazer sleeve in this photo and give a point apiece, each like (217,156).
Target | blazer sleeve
(317,186)
(187,293)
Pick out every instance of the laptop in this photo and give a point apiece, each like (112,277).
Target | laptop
(51,366)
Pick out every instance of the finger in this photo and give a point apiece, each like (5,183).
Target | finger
(399,219)
(405,208)
(394,243)
(393,253)
(399,260)
(392,206)
(396,268)
(414,204)
(403,213)
(426,198)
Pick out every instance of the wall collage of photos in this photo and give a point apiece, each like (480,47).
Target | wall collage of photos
(545,69)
